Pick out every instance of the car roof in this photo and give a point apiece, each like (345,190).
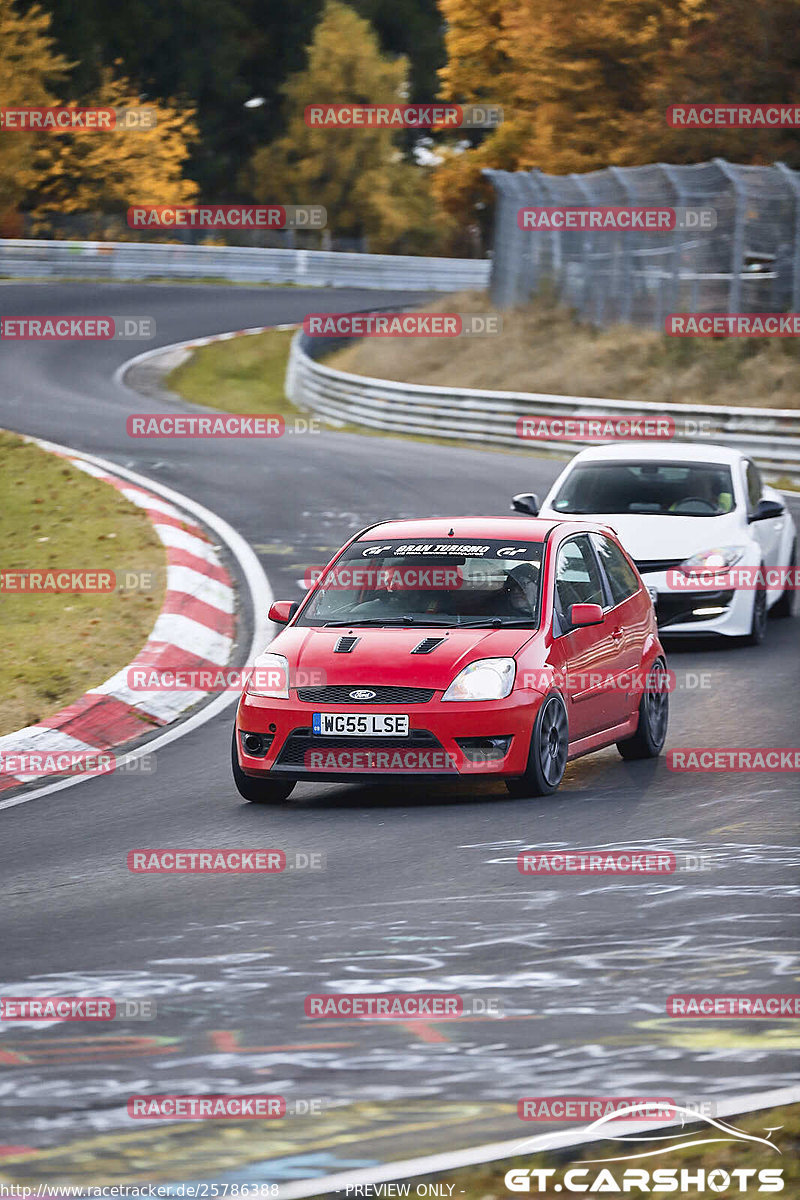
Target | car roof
(525,529)
(659,452)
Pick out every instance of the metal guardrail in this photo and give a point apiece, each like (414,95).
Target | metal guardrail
(770,435)
(34,258)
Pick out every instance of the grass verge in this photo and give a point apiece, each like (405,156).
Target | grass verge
(57,645)
(544,348)
(242,375)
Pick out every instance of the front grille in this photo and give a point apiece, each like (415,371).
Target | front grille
(340,694)
(656,564)
(298,744)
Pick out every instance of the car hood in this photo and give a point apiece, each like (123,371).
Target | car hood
(655,537)
(384,655)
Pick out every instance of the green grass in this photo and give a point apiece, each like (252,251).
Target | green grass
(242,375)
(56,646)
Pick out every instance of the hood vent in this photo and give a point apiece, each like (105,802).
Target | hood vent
(427,644)
(345,644)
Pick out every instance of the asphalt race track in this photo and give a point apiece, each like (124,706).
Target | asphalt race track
(420,890)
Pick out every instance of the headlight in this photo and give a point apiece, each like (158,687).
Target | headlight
(718,559)
(270,677)
(486,679)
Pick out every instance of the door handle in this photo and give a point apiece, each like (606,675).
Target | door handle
(617,635)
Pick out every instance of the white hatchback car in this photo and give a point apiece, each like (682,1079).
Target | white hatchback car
(682,510)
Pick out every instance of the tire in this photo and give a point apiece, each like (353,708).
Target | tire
(258,791)
(785,605)
(651,733)
(548,753)
(758,626)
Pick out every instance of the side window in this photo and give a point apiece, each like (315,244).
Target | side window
(620,574)
(754,486)
(578,578)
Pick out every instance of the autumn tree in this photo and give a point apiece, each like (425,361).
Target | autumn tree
(360,175)
(30,68)
(109,171)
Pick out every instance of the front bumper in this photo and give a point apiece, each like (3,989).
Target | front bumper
(434,748)
(699,613)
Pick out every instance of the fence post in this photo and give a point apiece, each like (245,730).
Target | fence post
(737,250)
(793,180)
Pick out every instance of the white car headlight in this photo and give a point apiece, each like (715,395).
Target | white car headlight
(270,677)
(486,679)
(721,558)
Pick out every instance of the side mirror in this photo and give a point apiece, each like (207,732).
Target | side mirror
(526,502)
(282,611)
(765,510)
(586,614)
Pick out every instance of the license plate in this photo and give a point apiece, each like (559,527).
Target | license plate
(360,724)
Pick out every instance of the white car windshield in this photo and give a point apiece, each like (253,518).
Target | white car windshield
(649,488)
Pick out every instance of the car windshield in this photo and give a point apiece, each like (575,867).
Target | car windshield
(491,583)
(661,488)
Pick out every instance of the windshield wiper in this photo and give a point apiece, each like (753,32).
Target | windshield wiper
(499,622)
(370,621)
